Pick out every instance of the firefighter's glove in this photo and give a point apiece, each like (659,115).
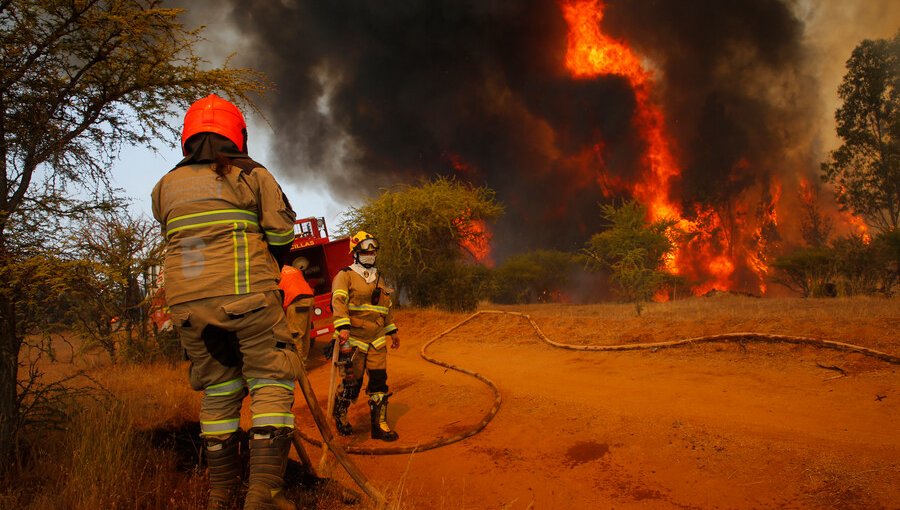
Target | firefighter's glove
(344,337)
(327,349)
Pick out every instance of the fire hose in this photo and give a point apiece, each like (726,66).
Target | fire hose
(395,450)
(725,337)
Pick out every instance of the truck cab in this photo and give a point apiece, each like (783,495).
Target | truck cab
(320,259)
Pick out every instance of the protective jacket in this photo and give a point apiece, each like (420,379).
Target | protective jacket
(351,300)
(220,230)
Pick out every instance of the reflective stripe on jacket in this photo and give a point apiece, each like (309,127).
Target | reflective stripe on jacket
(218,230)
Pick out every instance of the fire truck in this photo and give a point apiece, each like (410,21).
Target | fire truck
(320,259)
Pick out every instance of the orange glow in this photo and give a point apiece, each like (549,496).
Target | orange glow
(591,53)
(721,267)
(855,224)
(475,238)
(858,226)
(661,296)
(460,166)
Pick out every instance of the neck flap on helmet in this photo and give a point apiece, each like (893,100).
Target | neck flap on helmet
(206,147)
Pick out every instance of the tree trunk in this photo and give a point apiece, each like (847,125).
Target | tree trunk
(10,343)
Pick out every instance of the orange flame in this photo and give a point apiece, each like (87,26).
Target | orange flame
(591,53)
(858,226)
(475,238)
(460,166)
(709,257)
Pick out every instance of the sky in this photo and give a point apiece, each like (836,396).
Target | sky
(138,169)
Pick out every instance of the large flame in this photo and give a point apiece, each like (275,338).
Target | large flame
(591,53)
(475,238)
(709,258)
(474,235)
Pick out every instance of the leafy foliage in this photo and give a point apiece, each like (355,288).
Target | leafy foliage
(111,306)
(889,246)
(536,276)
(806,270)
(851,265)
(815,227)
(866,167)
(425,232)
(634,251)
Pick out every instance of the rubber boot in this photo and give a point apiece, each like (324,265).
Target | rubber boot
(268,460)
(225,470)
(378,409)
(341,406)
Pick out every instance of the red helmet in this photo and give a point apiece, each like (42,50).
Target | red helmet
(212,114)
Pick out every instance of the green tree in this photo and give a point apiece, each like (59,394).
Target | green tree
(533,276)
(806,270)
(80,80)
(866,167)
(427,233)
(634,250)
(888,244)
(859,264)
(815,227)
(110,307)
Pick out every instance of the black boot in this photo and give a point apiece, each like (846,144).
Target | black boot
(225,470)
(378,411)
(268,460)
(341,405)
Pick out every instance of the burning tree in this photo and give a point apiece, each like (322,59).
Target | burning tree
(427,233)
(866,167)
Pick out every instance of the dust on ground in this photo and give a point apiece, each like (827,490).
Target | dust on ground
(704,426)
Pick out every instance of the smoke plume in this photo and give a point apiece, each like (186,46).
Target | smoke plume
(372,93)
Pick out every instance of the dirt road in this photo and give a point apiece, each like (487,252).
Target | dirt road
(706,426)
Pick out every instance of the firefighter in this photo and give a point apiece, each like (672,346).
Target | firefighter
(298,301)
(363,320)
(228,226)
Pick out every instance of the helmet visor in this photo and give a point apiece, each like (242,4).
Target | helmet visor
(367,245)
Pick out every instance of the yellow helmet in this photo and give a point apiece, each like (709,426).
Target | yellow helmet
(363,241)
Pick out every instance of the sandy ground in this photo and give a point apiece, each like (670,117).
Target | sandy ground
(705,426)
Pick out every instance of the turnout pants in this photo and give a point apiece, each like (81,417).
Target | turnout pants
(299,319)
(371,360)
(239,344)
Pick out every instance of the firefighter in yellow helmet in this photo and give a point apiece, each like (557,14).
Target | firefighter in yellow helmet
(363,321)
(228,225)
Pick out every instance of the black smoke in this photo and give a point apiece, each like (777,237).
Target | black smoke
(371,93)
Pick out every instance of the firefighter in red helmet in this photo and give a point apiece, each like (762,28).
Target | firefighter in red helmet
(228,226)
(298,304)
(363,320)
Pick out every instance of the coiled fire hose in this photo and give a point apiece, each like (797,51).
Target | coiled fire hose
(726,337)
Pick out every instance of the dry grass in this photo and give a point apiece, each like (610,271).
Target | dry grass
(106,456)
(868,322)
(136,450)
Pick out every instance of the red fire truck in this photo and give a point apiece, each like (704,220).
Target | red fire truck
(320,259)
